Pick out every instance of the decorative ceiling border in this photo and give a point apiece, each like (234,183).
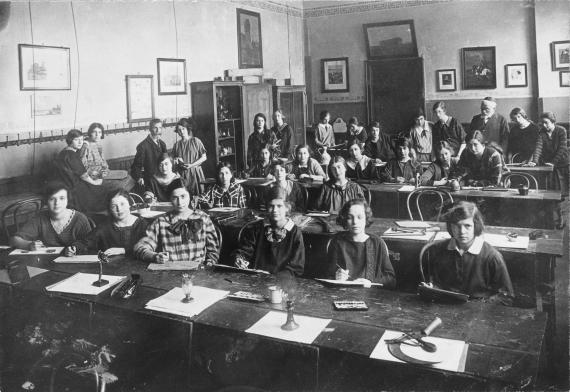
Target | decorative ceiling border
(271,6)
(366,6)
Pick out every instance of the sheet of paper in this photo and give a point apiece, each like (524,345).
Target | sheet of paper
(5,247)
(116,175)
(231,268)
(171,266)
(318,214)
(402,234)
(223,209)
(345,282)
(81,283)
(171,302)
(501,241)
(32,271)
(452,353)
(54,250)
(115,251)
(148,213)
(413,224)
(270,325)
(441,235)
(77,259)
(407,188)
(162,204)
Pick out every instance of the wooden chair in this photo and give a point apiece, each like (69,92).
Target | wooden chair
(530,180)
(136,198)
(421,261)
(441,194)
(367,195)
(18,213)
(219,233)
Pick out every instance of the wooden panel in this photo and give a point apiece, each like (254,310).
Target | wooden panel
(203,112)
(256,99)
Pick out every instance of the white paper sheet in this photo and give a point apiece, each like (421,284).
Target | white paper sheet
(318,214)
(223,209)
(2,247)
(32,271)
(115,251)
(441,235)
(452,353)
(77,259)
(270,325)
(171,266)
(402,234)
(407,188)
(496,240)
(171,302)
(54,250)
(166,204)
(346,282)
(148,214)
(81,283)
(412,224)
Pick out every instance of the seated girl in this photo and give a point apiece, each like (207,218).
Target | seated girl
(358,166)
(304,166)
(122,230)
(57,226)
(466,263)
(437,173)
(225,192)
(262,165)
(293,191)
(479,165)
(355,132)
(338,190)
(379,145)
(92,153)
(164,181)
(275,245)
(356,255)
(403,169)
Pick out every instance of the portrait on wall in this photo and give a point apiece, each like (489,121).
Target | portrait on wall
(390,40)
(560,53)
(479,69)
(445,80)
(565,79)
(44,67)
(515,75)
(334,75)
(249,39)
(171,76)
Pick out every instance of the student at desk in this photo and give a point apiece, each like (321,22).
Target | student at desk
(466,263)
(262,165)
(403,169)
(304,166)
(355,133)
(275,245)
(225,192)
(356,255)
(438,172)
(293,191)
(359,166)
(261,137)
(479,165)
(379,145)
(163,181)
(338,190)
(522,137)
(56,226)
(182,235)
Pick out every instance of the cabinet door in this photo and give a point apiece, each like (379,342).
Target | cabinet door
(298,110)
(256,99)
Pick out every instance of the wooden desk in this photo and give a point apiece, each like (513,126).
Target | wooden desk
(541,173)
(504,343)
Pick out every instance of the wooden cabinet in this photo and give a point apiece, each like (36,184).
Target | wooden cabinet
(292,100)
(224,112)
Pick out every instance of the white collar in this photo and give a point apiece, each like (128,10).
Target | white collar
(474,249)
(287,226)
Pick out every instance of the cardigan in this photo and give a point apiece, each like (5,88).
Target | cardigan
(332,197)
(451,131)
(146,159)
(393,170)
(108,235)
(436,172)
(486,170)
(375,266)
(551,149)
(523,141)
(495,130)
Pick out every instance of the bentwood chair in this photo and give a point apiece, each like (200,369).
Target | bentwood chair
(529,179)
(443,199)
(18,213)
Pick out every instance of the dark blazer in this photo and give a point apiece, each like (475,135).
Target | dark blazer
(496,130)
(146,159)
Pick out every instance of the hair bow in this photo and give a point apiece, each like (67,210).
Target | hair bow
(187,229)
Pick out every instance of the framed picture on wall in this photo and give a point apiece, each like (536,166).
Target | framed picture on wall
(44,67)
(171,76)
(334,75)
(565,79)
(390,40)
(250,53)
(140,98)
(560,52)
(515,75)
(478,68)
(445,80)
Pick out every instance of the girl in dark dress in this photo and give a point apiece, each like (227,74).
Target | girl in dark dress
(275,245)
(479,165)
(355,132)
(404,168)
(261,137)
(283,133)
(338,190)
(359,166)
(379,145)
(438,172)
(356,255)
(262,166)
(189,153)
(163,182)
(448,129)
(522,137)
(292,189)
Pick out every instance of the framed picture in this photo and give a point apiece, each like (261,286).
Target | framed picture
(560,52)
(334,75)
(390,40)
(171,76)
(140,98)
(44,67)
(445,80)
(250,53)
(515,75)
(479,69)
(565,79)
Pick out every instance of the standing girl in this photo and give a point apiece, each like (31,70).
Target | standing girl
(189,154)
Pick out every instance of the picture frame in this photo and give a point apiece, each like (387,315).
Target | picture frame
(250,47)
(171,75)
(479,70)
(44,67)
(390,40)
(334,75)
(564,78)
(560,55)
(445,80)
(516,75)
(140,97)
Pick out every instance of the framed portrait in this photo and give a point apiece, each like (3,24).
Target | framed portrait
(171,76)
(560,52)
(140,98)
(564,78)
(445,80)
(334,75)
(479,69)
(515,75)
(44,67)
(250,53)
(390,40)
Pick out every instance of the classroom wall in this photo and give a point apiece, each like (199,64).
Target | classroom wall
(119,38)
(334,29)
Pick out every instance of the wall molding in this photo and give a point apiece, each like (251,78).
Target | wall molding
(271,6)
(366,6)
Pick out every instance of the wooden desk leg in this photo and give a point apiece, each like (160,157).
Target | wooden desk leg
(537,282)
(189,357)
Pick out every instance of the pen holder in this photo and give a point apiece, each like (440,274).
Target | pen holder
(523,190)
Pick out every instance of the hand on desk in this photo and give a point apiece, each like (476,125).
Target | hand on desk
(161,257)
(341,274)
(241,262)
(35,245)
(365,282)
(69,251)
(530,164)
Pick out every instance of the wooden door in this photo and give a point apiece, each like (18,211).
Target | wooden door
(293,104)
(256,99)
(395,90)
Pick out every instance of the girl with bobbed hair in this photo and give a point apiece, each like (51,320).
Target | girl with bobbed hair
(261,137)
(404,167)
(359,166)
(324,135)
(339,189)
(303,166)
(466,263)
(163,181)
(225,192)
(357,255)
(283,133)
(189,153)
(292,189)
(92,152)
(438,172)
(355,132)
(379,145)
(522,136)
(479,165)
(447,128)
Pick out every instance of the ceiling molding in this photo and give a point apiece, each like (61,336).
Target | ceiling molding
(366,6)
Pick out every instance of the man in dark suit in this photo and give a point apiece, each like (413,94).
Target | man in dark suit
(148,152)
(492,125)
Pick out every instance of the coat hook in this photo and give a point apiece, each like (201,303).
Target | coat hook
(6,145)
(18,141)
(40,139)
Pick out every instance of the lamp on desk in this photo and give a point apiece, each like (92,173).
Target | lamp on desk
(289,285)
(103,258)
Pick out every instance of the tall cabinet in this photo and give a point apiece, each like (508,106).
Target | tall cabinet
(224,112)
(292,100)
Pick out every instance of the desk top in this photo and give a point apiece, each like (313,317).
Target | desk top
(516,167)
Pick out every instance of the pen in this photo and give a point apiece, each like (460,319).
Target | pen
(228,280)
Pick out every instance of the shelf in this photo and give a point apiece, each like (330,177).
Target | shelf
(227,155)
(221,139)
(229,119)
